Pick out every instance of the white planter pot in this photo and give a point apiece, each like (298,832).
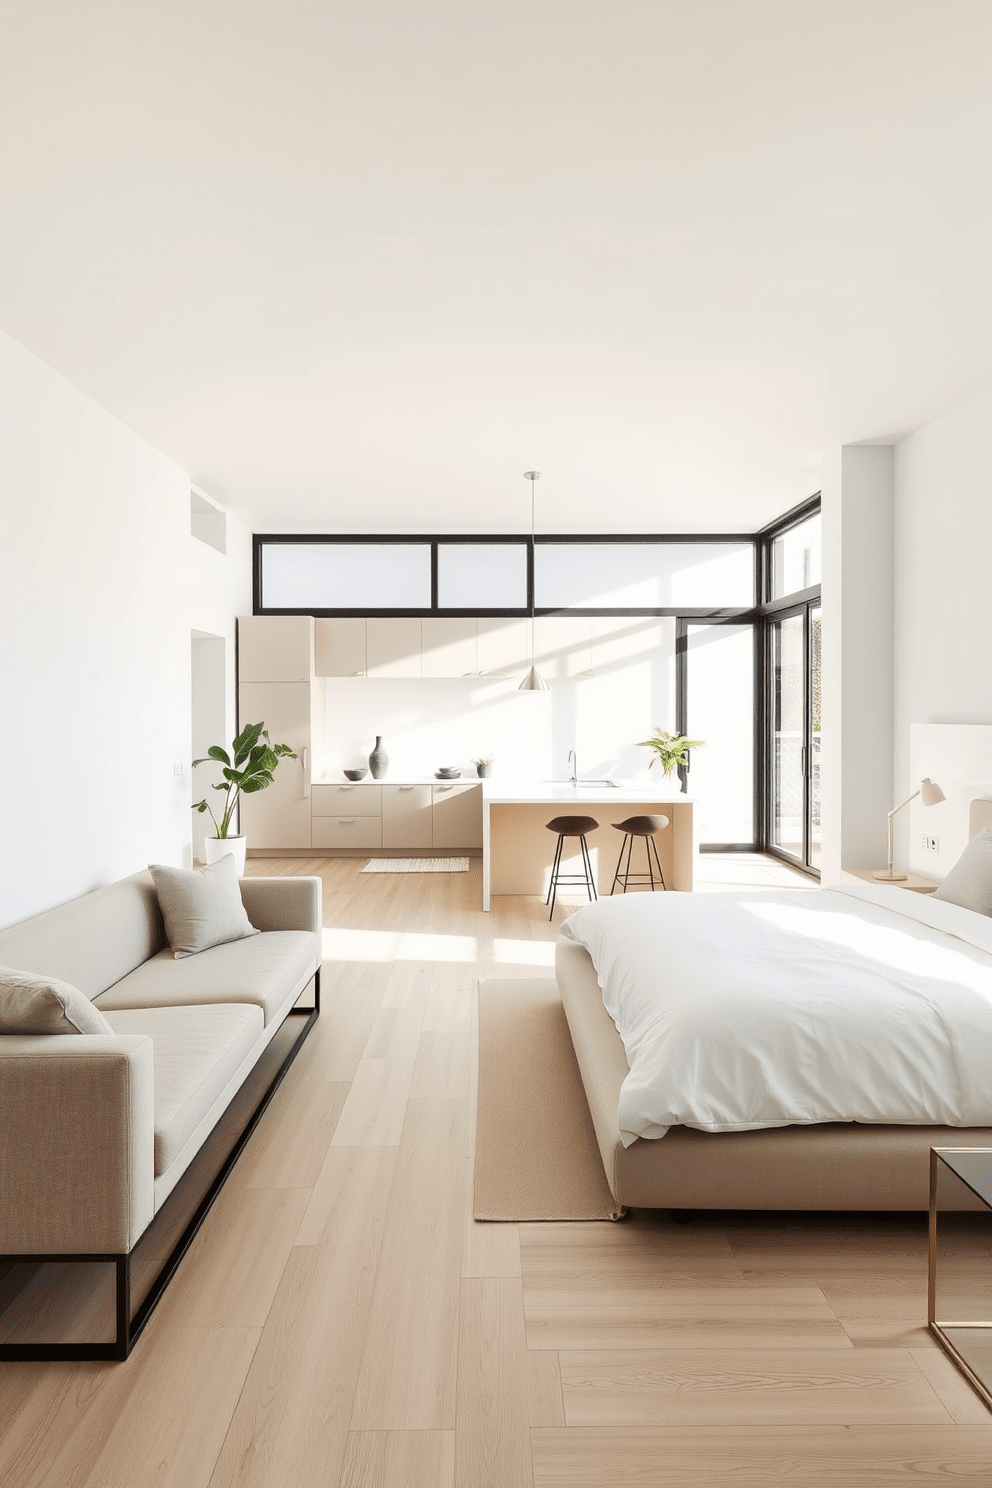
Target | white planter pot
(215,848)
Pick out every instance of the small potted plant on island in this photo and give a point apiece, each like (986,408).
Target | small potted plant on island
(670,750)
(483,765)
(249,767)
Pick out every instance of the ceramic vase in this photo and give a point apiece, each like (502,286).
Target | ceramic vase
(378,760)
(483,770)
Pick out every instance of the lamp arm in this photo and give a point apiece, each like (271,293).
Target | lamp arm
(902,804)
(891,815)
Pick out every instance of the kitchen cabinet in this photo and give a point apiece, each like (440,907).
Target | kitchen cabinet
(448,647)
(503,647)
(339,647)
(347,800)
(406,816)
(392,647)
(280,815)
(456,816)
(330,832)
(275,648)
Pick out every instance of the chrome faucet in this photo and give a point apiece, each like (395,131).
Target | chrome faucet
(575,766)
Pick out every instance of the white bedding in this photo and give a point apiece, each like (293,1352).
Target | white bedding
(748,1010)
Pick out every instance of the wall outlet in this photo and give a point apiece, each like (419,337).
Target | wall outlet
(930,844)
(178,768)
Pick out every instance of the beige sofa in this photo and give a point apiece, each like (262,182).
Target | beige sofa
(98,1129)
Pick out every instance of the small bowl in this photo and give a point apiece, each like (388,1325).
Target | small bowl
(356,774)
(447,772)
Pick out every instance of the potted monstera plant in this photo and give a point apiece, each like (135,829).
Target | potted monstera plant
(670,750)
(248,767)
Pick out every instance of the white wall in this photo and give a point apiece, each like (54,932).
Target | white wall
(943,580)
(217,589)
(856,662)
(97,597)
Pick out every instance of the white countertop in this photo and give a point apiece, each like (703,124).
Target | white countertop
(552,792)
(466,778)
(499,792)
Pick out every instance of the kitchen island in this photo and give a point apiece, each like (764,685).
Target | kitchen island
(517,848)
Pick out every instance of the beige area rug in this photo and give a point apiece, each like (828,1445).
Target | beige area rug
(535,1149)
(416,865)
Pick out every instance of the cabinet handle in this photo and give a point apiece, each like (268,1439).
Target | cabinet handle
(408,787)
(346,821)
(306,772)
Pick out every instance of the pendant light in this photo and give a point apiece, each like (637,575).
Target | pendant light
(533,682)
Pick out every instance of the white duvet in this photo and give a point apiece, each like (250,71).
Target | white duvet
(749,1010)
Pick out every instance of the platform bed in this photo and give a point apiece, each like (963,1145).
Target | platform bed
(839,1166)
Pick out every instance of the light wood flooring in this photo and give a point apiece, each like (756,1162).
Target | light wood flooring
(343,1322)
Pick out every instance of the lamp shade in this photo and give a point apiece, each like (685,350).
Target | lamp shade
(534,682)
(930,794)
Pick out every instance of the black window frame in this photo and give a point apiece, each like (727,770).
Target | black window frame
(802,601)
(260,540)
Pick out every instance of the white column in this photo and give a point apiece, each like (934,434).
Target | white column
(856,679)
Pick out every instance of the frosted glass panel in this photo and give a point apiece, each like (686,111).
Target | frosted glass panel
(796,558)
(346,576)
(720,710)
(613,576)
(482,576)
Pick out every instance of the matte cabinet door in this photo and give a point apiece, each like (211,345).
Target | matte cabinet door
(339,647)
(406,816)
(347,831)
(393,647)
(504,647)
(280,815)
(275,648)
(457,816)
(347,800)
(448,647)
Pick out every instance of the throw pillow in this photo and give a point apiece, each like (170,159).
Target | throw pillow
(40,1004)
(201,907)
(969,882)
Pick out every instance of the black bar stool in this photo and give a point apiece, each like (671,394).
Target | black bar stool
(646,827)
(571,826)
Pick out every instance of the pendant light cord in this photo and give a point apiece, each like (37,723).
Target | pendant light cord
(533,476)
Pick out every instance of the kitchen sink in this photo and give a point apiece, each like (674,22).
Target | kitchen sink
(580,784)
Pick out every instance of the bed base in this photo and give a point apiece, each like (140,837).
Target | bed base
(837,1165)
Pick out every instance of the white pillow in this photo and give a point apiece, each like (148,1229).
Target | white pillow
(201,907)
(40,1004)
(969,882)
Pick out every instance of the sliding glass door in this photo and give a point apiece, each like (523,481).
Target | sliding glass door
(716,704)
(794,735)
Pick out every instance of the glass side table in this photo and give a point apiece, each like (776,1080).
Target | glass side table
(959,1291)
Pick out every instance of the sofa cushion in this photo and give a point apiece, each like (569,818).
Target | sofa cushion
(201,906)
(40,1004)
(93,941)
(196,1052)
(263,970)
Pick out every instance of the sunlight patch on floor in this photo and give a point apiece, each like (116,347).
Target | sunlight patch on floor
(392,945)
(524,952)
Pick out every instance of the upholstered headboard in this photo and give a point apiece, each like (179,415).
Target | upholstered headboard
(979,817)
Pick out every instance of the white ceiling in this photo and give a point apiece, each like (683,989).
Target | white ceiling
(358,266)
